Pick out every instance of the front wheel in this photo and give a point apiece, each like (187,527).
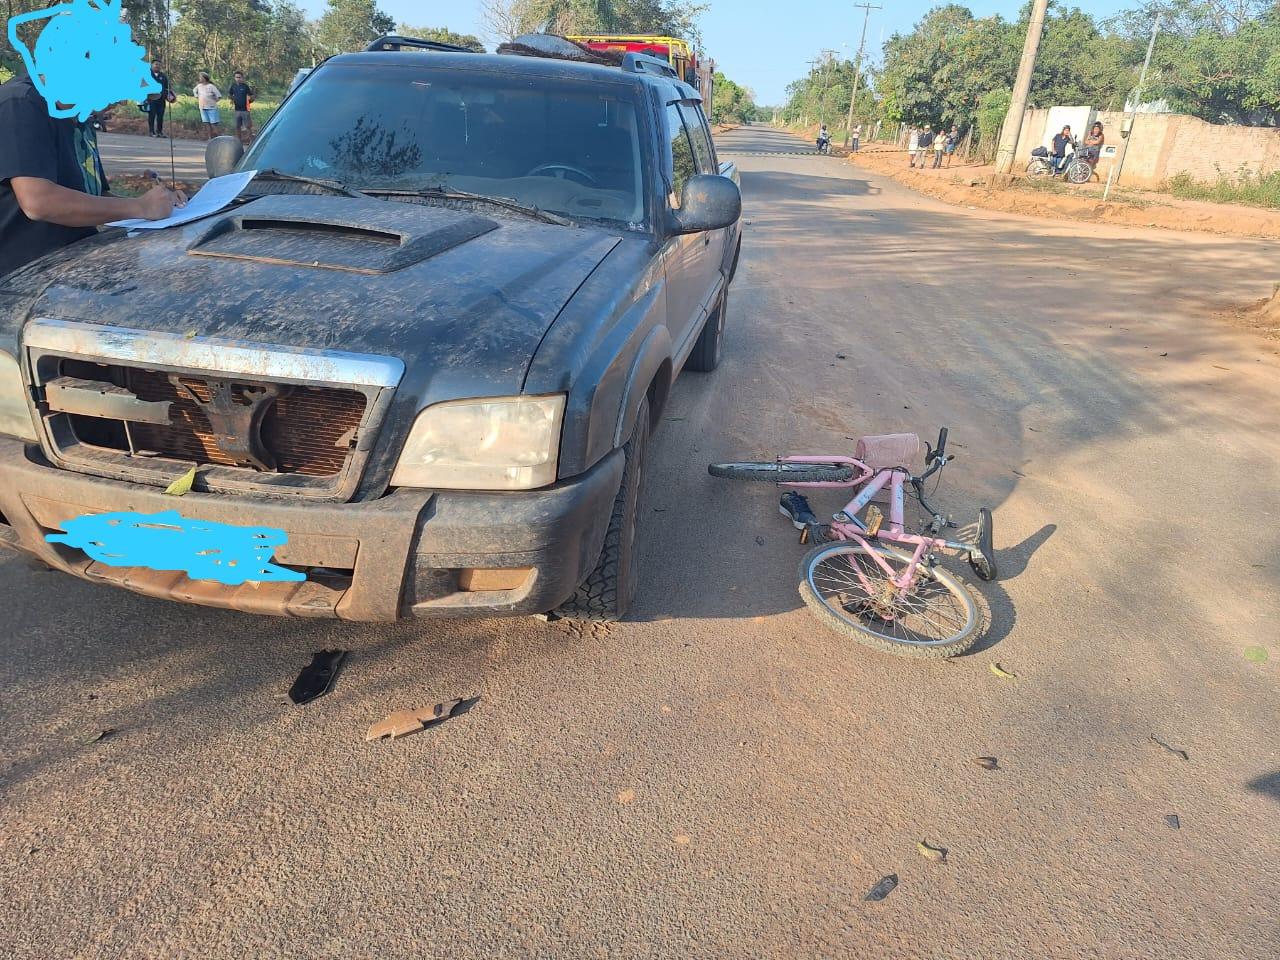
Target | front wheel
(1079,172)
(765,472)
(852,594)
(606,594)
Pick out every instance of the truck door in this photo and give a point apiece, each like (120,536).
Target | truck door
(681,255)
(712,254)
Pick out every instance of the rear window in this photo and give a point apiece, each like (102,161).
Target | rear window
(571,148)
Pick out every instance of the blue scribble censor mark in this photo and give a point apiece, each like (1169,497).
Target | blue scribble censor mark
(84,58)
(202,549)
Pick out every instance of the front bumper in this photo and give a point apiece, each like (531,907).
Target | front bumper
(412,553)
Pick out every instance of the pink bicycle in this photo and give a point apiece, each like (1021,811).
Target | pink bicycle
(896,600)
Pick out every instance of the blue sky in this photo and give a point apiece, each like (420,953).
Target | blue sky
(763,44)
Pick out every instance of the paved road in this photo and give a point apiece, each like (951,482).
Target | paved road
(722,777)
(126,153)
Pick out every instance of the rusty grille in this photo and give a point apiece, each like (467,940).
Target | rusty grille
(308,429)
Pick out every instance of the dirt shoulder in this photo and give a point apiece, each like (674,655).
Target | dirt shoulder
(968,184)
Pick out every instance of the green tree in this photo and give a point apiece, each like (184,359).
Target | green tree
(443,35)
(218,38)
(677,18)
(732,103)
(350,25)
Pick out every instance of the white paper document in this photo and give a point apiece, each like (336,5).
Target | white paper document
(210,198)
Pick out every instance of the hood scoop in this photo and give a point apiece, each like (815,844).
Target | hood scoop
(338,233)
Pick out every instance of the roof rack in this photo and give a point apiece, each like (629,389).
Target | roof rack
(644,63)
(392,41)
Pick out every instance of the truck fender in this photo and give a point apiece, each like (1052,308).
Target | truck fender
(653,359)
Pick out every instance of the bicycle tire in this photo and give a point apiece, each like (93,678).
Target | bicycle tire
(860,627)
(1038,169)
(1079,172)
(774,472)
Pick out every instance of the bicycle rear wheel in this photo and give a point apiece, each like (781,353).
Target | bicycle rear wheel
(1038,169)
(774,472)
(938,618)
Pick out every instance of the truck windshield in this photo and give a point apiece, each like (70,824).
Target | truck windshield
(569,148)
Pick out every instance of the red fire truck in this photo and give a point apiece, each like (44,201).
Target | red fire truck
(693,69)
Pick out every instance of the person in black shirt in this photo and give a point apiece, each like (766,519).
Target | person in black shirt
(1060,143)
(157,102)
(241,95)
(53,190)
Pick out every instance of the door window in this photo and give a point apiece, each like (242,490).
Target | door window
(702,148)
(683,164)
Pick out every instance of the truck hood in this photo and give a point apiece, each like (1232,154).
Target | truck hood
(461,298)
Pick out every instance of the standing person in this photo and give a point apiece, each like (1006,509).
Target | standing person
(207,97)
(241,95)
(855,137)
(925,142)
(1093,143)
(913,145)
(53,190)
(953,141)
(939,144)
(157,102)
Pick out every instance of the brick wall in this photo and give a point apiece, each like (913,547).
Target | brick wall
(1163,145)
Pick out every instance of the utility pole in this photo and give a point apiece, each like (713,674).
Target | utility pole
(1127,134)
(866,9)
(1021,89)
(804,117)
(828,57)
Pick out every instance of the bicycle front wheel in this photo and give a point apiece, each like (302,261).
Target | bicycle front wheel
(852,594)
(1079,172)
(774,472)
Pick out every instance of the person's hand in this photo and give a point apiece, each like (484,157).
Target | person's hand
(158,202)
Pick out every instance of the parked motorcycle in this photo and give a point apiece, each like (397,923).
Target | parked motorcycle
(1075,167)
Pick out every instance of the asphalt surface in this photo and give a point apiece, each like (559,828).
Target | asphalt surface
(127,153)
(722,776)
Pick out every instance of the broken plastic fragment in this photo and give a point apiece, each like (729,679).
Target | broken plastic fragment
(1001,672)
(318,677)
(404,722)
(1172,820)
(882,889)
(182,485)
(987,763)
(930,852)
(1172,749)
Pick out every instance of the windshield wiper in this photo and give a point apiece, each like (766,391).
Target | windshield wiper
(333,186)
(443,194)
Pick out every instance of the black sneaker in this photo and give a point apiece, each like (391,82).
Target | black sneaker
(795,508)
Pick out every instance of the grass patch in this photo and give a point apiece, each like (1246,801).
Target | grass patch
(1245,187)
(184,116)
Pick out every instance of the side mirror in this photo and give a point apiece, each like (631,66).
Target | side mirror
(708,202)
(221,155)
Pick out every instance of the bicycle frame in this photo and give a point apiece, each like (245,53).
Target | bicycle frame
(894,531)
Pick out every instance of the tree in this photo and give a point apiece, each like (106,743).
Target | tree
(443,35)
(218,38)
(732,103)
(507,19)
(350,25)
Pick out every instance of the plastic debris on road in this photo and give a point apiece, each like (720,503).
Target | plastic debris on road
(404,722)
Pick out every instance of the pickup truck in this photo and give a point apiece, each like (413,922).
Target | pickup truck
(428,342)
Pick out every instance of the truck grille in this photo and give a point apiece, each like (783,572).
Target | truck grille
(307,430)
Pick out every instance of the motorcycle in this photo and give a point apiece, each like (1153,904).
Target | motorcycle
(1075,168)
(824,144)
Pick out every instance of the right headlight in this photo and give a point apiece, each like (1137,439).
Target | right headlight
(15,415)
(510,443)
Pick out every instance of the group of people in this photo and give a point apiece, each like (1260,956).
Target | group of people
(207,96)
(925,140)
(1090,152)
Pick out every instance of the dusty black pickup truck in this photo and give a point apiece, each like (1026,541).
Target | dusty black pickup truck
(428,343)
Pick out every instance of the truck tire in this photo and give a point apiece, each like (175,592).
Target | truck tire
(706,352)
(606,594)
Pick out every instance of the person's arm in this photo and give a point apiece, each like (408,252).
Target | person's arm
(49,202)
